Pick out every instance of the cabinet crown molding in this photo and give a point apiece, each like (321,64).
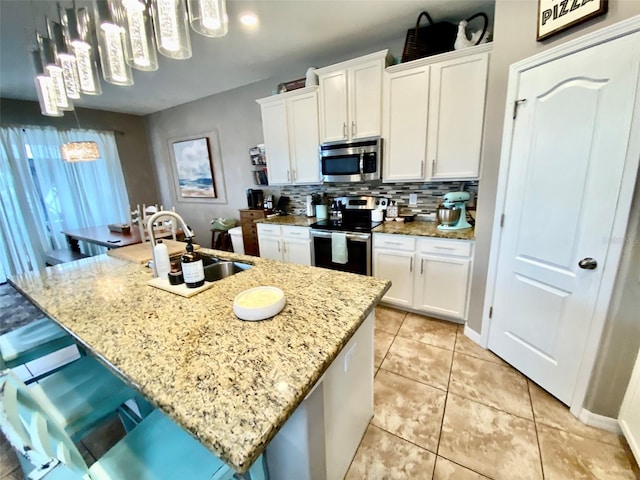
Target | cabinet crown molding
(382,54)
(441,57)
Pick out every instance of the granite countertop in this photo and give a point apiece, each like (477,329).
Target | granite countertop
(424,229)
(289,220)
(231,383)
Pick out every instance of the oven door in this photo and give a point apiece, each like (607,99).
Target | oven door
(358,252)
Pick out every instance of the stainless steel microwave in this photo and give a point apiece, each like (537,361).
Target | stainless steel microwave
(351,162)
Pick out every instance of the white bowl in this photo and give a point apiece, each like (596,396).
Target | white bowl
(259,303)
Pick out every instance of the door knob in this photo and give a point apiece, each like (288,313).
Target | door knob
(588,263)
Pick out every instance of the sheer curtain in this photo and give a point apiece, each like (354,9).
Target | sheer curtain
(45,195)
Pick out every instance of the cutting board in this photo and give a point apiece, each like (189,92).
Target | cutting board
(141,252)
(163,284)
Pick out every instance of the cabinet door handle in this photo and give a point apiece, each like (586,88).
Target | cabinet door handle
(284,246)
(288,176)
(353,128)
(421,266)
(392,243)
(422,168)
(295,175)
(443,248)
(278,246)
(433,167)
(411,264)
(344,129)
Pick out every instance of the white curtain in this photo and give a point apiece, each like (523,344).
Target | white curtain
(51,195)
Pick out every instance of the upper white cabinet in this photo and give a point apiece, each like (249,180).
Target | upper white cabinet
(433,116)
(290,128)
(351,97)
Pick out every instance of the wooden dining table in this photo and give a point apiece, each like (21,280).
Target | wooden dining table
(101,235)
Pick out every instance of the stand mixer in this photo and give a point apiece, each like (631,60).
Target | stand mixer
(456,201)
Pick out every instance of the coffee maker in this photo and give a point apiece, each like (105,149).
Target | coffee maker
(255,199)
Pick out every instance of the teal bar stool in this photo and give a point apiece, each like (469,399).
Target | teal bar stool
(157,449)
(37,339)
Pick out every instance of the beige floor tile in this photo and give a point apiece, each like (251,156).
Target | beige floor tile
(389,319)
(382,342)
(447,470)
(428,330)
(570,457)
(383,456)
(419,361)
(497,386)
(467,346)
(489,441)
(553,413)
(408,409)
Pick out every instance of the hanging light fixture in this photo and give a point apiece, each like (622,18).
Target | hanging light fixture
(54,71)
(209,17)
(172,29)
(45,88)
(65,60)
(78,24)
(141,51)
(83,151)
(111,43)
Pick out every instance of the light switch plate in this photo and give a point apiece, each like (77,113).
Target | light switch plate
(413,199)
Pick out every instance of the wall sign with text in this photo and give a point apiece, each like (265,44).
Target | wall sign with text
(557,15)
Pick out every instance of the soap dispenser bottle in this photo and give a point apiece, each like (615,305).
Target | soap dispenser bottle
(192,267)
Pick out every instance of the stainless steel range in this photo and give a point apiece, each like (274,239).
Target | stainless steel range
(343,242)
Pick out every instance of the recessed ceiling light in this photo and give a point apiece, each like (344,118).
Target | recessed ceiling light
(249,19)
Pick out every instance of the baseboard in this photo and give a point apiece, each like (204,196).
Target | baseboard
(475,336)
(600,421)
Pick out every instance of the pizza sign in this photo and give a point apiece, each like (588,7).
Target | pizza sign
(557,15)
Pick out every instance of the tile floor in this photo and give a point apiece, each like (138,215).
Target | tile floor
(446,409)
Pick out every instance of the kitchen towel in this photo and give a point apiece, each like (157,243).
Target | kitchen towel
(339,248)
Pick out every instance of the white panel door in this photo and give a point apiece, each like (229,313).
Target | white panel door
(406,106)
(365,100)
(396,266)
(442,285)
(456,115)
(629,418)
(304,138)
(567,156)
(333,106)
(276,141)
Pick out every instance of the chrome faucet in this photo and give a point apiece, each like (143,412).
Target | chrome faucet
(164,213)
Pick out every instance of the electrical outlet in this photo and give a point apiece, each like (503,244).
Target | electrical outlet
(413,199)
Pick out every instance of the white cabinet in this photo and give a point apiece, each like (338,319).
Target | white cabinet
(430,275)
(434,115)
(290,128)
(350,98)
(285,243)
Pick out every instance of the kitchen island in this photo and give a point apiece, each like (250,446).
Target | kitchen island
(232,384)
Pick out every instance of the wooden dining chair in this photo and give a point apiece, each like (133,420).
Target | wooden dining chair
(157,449)
(29,342)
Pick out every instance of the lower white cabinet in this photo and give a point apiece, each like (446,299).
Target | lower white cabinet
(285,243)
(431,275)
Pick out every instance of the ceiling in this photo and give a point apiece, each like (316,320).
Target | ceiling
(291,35)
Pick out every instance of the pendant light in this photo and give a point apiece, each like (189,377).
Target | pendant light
(172,29)
(141,51)
(78,24)
(209,17)
(45,88)
(111,43)
(83,151)
(65,60)
(54,71)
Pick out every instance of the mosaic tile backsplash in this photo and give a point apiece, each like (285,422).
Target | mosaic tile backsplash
(429,193)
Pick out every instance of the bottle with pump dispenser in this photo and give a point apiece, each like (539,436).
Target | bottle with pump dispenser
(192,267)
(161,254)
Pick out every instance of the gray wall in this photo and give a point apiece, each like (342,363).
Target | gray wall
(514,40)
(133,146)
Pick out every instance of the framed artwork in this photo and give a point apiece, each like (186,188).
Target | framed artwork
(557,15)
(194,168)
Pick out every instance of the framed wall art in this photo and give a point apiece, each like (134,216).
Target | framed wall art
(557,15)
(194,168)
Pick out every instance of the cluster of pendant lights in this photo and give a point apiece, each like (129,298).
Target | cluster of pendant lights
(128,34)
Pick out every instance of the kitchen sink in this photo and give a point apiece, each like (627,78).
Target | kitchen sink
(216,268)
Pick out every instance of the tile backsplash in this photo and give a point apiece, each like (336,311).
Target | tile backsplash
(428,193)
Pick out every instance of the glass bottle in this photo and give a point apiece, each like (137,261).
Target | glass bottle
(192,267)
